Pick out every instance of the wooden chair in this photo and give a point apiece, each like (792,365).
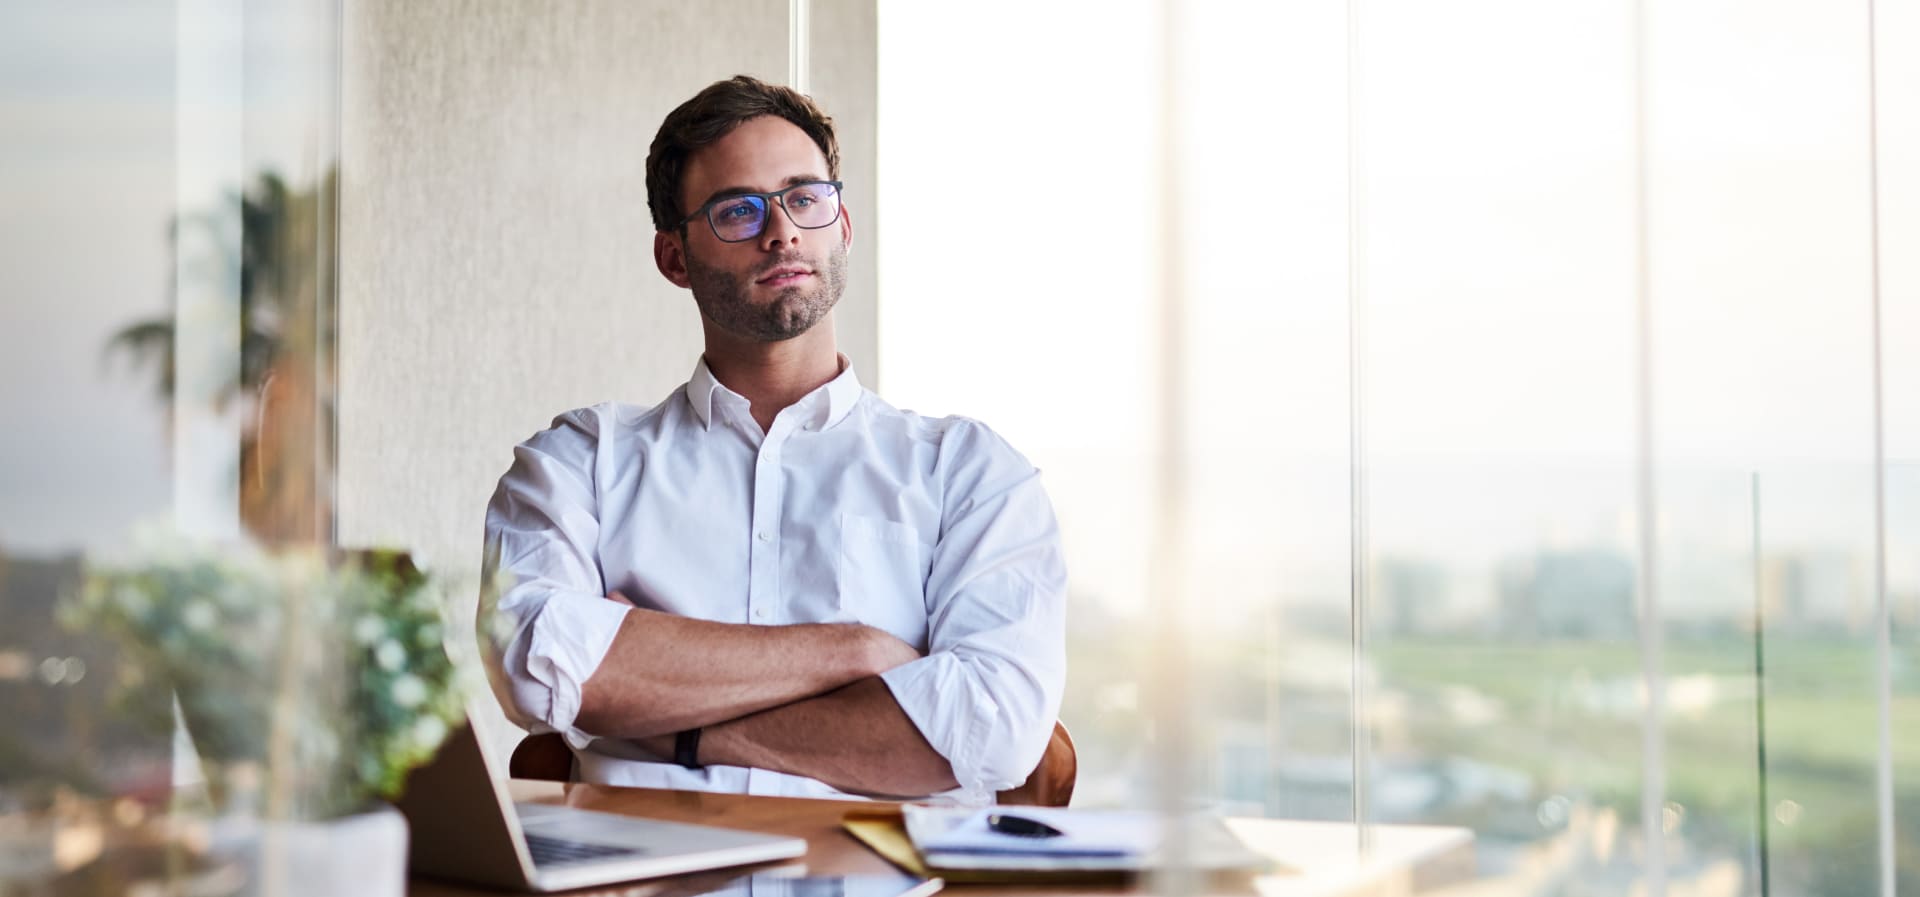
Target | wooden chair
(1051,784)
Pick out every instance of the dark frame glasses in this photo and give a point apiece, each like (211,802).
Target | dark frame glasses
(739,217)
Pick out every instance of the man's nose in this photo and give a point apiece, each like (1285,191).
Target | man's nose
(780,229)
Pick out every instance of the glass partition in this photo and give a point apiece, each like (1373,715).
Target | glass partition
(166,344)
(1761,271)
(1501,530)
(1897,131)
(1526,414)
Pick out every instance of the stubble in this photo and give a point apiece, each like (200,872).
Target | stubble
(723,297)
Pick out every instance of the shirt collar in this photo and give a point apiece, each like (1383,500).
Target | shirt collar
(700,389)
(828,405)
(843,392)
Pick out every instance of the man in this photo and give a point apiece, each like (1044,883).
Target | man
(773,581)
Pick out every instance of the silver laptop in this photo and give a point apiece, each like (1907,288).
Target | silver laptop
(466,828)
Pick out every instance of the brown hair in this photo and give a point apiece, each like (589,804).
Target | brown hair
(713,113)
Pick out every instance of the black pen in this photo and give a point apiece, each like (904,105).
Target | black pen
(1021,826)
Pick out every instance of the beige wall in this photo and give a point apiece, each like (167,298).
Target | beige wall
(496,265)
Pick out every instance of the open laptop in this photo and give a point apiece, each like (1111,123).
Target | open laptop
(466,828)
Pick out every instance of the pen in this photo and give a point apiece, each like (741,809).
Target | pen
(1021,826)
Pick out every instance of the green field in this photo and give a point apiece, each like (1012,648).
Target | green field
(1570,719)
(1564,717)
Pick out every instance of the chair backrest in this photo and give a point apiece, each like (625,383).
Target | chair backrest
(1051,784)
(544,757)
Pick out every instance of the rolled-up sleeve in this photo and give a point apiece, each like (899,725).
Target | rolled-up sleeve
(988,691)
(544,622)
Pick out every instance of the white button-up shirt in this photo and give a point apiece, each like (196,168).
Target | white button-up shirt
(845,510)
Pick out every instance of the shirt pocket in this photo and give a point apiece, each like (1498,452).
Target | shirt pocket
(882,576)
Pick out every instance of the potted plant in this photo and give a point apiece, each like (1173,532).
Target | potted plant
(310,683)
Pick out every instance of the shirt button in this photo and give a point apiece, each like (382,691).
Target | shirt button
(762,535)
(760,613)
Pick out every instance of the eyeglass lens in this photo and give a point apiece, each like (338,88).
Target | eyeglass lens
(744,217)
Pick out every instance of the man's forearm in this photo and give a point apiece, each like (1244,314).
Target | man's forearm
(665,673)
(855,738)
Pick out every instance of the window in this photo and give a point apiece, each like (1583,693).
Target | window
(1447,503)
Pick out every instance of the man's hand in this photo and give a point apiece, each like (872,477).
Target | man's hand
(665,673)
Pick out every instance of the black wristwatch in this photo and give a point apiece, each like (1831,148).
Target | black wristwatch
(686,749)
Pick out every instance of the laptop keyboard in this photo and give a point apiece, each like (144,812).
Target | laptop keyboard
(561,851)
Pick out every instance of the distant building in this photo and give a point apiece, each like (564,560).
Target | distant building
(1817,589)
(1568,594)
(1412,597)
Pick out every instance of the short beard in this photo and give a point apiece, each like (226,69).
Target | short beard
(722,297)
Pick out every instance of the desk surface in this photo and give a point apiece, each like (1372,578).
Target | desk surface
(1320,857)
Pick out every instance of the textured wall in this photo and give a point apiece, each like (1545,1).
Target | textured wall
(496,253)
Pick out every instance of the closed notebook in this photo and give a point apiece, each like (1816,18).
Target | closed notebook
(1082,833)
(882,829)
(1092,841)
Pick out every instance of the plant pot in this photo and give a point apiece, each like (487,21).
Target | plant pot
(364,855)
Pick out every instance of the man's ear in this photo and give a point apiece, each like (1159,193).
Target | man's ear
(846,227)
(670,256)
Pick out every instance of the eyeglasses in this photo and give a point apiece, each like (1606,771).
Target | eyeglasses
(740,217)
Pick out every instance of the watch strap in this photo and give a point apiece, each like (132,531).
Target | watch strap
(686,748)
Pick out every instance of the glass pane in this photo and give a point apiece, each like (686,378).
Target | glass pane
(1903,593)
(87,172)
(164,370)
(1263,601)
(1083,296)
(1263,208)
(1898,120)
(1502,549)
(1760,271)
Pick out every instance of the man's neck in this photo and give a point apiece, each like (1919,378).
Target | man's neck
(772,376)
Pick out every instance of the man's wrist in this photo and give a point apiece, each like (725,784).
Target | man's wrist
(686,748)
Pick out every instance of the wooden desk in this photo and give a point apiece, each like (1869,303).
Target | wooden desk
(1319,857)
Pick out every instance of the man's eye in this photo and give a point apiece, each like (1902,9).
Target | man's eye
(802,200)
(808,194)
(736,211)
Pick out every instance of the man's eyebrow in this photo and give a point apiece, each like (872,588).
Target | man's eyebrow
(741,191)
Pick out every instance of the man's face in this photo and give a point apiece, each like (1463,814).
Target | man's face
(779,284)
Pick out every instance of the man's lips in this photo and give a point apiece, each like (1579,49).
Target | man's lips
(783,275)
